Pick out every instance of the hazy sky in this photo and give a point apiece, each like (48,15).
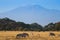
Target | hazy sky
(8,5)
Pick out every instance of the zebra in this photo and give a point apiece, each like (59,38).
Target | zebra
(52,34)
(23,35)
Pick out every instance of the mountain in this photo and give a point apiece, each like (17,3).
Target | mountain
(33,13)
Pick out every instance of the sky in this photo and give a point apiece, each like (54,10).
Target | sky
(8,5)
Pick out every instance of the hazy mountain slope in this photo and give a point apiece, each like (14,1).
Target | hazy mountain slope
(33,13)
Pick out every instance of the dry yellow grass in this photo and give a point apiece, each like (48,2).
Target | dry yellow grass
(11,35)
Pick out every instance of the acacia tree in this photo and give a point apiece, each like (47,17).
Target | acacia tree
(36,27)
(50,27)
(57,26)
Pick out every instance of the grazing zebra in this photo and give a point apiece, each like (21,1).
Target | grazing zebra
(23,35)
(52,34)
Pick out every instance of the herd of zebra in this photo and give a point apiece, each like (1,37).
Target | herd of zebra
(24,35)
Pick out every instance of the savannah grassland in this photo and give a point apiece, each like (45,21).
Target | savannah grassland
(11,35)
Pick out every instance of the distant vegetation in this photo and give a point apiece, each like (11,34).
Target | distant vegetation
(7,24)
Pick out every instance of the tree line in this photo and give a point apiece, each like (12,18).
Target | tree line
(7,24)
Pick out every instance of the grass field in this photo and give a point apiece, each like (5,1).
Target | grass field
(11,35)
